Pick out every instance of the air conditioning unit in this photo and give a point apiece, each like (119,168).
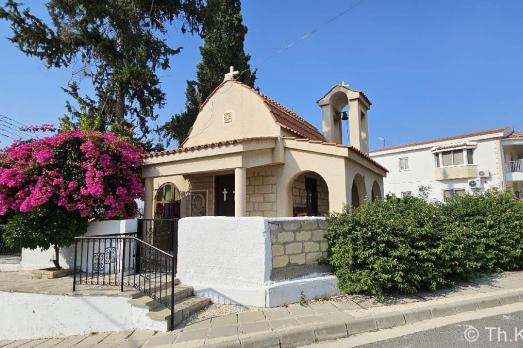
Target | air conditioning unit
(484,174)
(475,184)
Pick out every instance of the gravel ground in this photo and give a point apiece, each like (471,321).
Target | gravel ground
(218,310)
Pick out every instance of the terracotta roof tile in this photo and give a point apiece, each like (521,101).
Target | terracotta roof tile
(457,137)
(516,135)
(291,121)
(283,116)
(202,147)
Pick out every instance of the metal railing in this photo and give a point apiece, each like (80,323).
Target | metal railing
(515,166)
(6,250)
(131,260)
(160,233)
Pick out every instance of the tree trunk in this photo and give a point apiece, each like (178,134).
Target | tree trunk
(56,260)
(120,107)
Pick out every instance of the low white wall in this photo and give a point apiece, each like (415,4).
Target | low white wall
(225,259)
(229,260)
(37,258)
(31,316)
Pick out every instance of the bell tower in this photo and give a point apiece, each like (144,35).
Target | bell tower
(332,105)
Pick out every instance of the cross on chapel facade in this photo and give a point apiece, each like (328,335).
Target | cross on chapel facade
(230,75)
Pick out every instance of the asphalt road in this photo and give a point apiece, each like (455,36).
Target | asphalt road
(498,331)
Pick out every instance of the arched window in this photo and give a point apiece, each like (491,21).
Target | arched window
(376,191)
(167,202)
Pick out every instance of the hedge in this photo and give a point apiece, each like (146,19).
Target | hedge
(408,244)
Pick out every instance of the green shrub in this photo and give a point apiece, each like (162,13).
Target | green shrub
(484,232)
(388,245)
(44,227)
(408,244)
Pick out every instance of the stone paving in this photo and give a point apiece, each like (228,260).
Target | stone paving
(296,325)
(124,339)
(21,282)
(265,326)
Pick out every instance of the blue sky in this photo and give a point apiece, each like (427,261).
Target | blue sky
(430,68)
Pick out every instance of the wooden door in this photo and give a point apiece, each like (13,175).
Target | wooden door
(311,189)
(224,195)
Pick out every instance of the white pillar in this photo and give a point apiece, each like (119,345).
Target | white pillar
(329,132)
(240,191)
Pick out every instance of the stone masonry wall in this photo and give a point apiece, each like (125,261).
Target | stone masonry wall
(297,246)
(299,194)
(261,192)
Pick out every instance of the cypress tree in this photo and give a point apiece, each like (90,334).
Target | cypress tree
(224,35)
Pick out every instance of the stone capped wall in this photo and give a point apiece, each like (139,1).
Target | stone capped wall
(261,192)
(297,246)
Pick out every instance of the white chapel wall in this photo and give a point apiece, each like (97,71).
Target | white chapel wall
(234,111)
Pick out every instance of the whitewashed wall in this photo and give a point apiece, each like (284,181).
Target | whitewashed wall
(37,259)
(229,260)
(31,316)
(421,170)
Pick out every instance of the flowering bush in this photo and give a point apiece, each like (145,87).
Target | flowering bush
(51,187)
(39,128)
(96,174)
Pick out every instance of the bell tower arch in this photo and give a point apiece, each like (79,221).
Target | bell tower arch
(332,106)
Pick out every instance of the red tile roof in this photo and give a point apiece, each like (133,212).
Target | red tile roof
(457,137)
(243,140)
(203,147)
(283,116)
(291,121)
(516,135)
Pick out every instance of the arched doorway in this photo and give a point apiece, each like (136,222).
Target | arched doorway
(167,202)
(358,191)
(310,195)
(161,230)
(376,191)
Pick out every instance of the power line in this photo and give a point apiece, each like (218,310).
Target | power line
(9,121)
(7,130)
(11,129)
(305,36)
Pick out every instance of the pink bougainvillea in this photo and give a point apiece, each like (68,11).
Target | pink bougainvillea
(39,128)
(97,174)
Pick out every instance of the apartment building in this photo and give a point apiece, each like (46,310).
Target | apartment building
(467,163)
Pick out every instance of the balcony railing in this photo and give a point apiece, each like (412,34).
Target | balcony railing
(515,166)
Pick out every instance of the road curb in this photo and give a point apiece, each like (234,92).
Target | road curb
(336,329)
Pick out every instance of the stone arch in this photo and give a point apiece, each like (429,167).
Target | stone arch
(309,194)
(167,201)
(358,191)
(376,191)
(339,102)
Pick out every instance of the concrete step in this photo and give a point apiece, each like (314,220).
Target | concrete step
(182,310)
(164,288)
(144,300)
(184,304)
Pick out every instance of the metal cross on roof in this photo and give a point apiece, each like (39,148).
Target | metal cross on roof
(230,75)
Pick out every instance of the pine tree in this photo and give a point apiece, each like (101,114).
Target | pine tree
(223,34)
(119,45)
